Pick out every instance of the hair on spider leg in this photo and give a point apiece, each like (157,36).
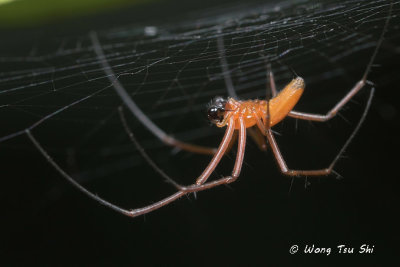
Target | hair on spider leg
(371,83)
(229,187)
(306,182)
(175,150)
(338,175)
(339,114)
(296,125)
(276,132)
(291,185)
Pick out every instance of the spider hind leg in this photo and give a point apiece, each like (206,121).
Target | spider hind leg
(318,172)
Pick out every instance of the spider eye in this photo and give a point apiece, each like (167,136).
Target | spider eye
(216,114)
(216,110)
(219,101)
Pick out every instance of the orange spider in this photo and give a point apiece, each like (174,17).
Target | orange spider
(264,114)
(234,114)
(238,115)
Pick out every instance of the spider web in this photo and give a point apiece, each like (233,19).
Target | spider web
(58,88)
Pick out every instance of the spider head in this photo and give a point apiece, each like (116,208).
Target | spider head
(216,110)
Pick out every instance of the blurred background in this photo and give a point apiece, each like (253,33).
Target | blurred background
(47,64)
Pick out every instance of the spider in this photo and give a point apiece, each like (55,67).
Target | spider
(238,115)
(263,114)
(233,114)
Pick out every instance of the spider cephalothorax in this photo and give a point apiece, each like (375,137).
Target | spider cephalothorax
(216,109)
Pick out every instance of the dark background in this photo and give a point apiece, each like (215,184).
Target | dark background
(253,221)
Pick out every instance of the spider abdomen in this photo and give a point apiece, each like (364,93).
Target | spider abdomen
(279,106)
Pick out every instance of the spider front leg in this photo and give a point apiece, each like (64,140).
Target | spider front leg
(255,135)
(200,182)
(136,111)
(200,185)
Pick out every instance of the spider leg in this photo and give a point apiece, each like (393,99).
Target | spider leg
(331,113)
(260,124)
(200,185)
(232,142)
(177,195)
(143,152)
(184,190)
(357,87)
(224,66)
(136,111)
(270,76)
(231,89)
(154,165)
(220,153)
(263,125)
(259,138)
(44,153)
(320,117)
(282,164)
(200,180)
